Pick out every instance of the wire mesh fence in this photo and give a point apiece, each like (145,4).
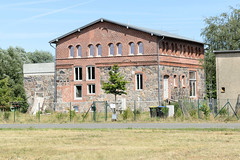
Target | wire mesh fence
(103,111)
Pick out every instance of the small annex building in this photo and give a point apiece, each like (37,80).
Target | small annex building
(84,57)
(228,77)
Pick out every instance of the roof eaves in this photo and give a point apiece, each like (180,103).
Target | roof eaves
(152,32)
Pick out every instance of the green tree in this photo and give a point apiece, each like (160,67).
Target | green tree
(6,93)
(40,57)
(116,84)
(221,33)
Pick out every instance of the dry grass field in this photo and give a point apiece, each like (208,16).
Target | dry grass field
(119,144)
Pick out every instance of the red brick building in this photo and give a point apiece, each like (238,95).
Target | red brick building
(84,57)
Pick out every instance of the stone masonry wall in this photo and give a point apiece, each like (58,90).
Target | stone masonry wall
(39,86)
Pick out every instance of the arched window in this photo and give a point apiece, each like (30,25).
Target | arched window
(132,48)
(99,50)
(71,51)
(111,49)
(140,48)
(91,51)
(119,49)
(79,51)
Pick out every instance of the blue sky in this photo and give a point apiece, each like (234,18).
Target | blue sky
(31,24)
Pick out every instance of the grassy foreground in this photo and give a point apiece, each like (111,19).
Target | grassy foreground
(119,144)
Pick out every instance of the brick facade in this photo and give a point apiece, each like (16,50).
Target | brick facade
(177,57)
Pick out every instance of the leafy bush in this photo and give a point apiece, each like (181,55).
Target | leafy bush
(165,111)
(177,110)
(60,116)
(193,113)
(223,112)
(38,113)
(6,115)
(206,110)
(127,114)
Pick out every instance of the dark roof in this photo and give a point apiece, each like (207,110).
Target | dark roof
(150,31)
(226,51)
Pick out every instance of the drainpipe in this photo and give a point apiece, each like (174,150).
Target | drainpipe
(159,102)
(55,80)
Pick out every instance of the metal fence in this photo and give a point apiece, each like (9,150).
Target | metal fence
(102,111)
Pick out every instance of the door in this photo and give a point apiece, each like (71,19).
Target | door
(165,87)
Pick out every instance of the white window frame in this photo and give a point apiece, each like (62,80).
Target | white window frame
(92,90)
(75,76)
(130,49)
(183,81)
(191,83)
(91,77)
(75,94)
(89,48)
(175,80)
(139,48)
(118,49)
(109,46)
(98,49)
(78,51)
(139,81)
(71,48)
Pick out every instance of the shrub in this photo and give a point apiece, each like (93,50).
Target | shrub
(6,115)
(60,116)
(127,114)
(165,111)
(206,110)
(223,112)
(193,113)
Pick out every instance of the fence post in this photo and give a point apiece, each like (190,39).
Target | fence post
(14,114)
(198,109)
(135,110)
(106,111)
(94,112)
(38,112)
(228,108)
(70,111)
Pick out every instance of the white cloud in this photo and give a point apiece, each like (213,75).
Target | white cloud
(55,11)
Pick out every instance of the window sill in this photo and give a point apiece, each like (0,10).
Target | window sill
(140,54)
(118,55)
(131,54)
(70,57)
(78,57)
(77,98)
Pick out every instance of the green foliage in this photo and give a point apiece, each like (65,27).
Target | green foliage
(6,93)
(193,113)
(40,57)
(60,116)
(221,33)
(127,114)
(165,111)
(206,110)
(177,110)
(6,115)
(223,112)
(116,84)
(11,74)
